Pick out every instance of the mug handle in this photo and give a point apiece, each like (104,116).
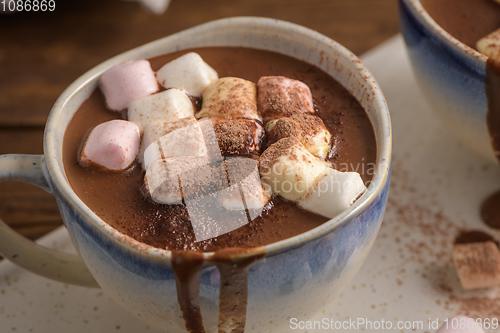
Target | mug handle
(49,263)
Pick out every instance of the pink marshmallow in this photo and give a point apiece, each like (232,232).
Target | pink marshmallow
(128,82)
(112,145)
(278,96)
(460,324)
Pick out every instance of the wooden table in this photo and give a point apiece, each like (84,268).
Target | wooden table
(42,53)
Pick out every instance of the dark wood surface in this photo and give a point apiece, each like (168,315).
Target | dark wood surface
(42,53)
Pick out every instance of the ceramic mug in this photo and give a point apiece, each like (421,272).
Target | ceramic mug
(452,76)
(295,277)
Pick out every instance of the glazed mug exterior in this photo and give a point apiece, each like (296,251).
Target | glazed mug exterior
(452,76)
(296,277)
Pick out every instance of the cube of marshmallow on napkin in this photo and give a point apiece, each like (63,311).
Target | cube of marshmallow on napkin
(126,83)
(112,145)
(477,264)
(178,137)
(230,97)
(279,97)
(188,73)
(490,45)
(460,324)
(166,105)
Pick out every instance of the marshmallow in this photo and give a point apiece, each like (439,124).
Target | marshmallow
(126,83)
(112,145)
(209,218)
(460,324)
(245,180)
(167,105)
(309,129)
(477,264)
(280,97)
(230,97)
(188,73)
(289,169)
(236,137)
(163,178)
(213,151)
(332,193)
(178,137)
(490,45)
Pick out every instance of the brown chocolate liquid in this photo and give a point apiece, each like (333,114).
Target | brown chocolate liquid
(466,20)
(118,200)
(490,209)
(469,21)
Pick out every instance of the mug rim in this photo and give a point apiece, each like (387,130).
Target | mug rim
(444,36)
(377,185)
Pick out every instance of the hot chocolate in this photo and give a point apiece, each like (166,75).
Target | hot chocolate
(466,20)
(117,197)
(476,23)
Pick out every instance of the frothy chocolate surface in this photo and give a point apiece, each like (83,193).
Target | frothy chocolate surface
(117,197)
(466,20)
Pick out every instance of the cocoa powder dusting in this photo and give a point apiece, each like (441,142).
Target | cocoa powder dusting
(284,128)
(275,102)
(271,155)
(238,137)
(412,211)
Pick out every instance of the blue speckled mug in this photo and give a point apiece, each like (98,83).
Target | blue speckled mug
(452,76)
(296,277)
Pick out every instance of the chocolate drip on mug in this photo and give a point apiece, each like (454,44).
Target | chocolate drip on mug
(233,297)
(492,88)
(490,209)
(187,270)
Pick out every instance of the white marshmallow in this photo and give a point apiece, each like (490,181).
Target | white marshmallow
(230,97)
(126,83)
(112,145)
(202,188)
(279,97)
(289,169)
(179,137)
(477,264)
(163,177)
(213,150)
(309,129)
(332,193)
(167,105)
(490,45)
(460,324)
(245,181)
(188,73)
